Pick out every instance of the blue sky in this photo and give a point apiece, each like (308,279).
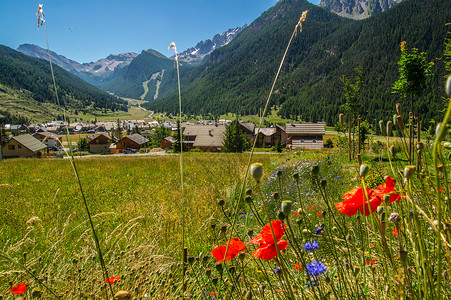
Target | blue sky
(88,30)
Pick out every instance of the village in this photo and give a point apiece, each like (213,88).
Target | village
(49,139)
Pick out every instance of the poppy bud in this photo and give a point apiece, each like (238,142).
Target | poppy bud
(296,176)
(315,170)
(248,199)
(279,173)
(395,120)
(276,195)
(409,171)
(393,151)
(75,261)
(420,146)
(223,229)
(215,280)
(398,108)
(190,259)
(221,202)
(356,271)
(122,295)
(249,192)
(281,216)
(349,237)
(400,122)
(389,128)
(448,86)
(257,171)
(380,209)
(213,225)
(403,256)
(364,170)
(323,183)
(441,134)
(286,207)
(305,231)
(335,229)
(394,217)
(231,269)
(208,272)
(381,126)
(219,268)
(299,222)
(250,232)
(241,256)
(341,119)
(323,213)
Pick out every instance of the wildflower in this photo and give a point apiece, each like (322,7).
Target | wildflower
(319,230)
(394,217)
(235,247)
(112,280)
(395,232)
(319,214)
(368,262)
(277,271)
(354,202)
(311,207)
(40,14)
(311,246)
(388,188)
(298,266)
(267,249)
(19,289)
(315,268)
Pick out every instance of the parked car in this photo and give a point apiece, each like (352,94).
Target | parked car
(129,151)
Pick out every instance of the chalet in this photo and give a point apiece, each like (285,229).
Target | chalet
(49,139)
(134,141)
(23,146)
(167,143)
(305,135)
(249,129)
(100,144)
(205,137)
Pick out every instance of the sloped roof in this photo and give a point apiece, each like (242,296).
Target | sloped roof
(30,142)
(306,128)
(206,135)
(49,135)
(267,131)
(249,126)
(100,137)
(137,138)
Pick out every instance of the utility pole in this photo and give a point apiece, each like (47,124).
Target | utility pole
(1,139)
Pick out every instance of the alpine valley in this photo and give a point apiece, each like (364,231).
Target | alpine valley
(234,70)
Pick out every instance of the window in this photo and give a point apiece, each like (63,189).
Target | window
(302,141)
(19,146)
(313,141)
(11,147)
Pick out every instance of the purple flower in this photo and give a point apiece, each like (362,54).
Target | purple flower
(309,246)
(315,268)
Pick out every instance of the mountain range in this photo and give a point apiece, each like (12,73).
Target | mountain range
(237,77)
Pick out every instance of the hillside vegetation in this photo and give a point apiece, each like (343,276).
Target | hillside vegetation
(236,78)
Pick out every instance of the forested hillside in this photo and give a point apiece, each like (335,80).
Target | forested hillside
(237,77)
(33,76)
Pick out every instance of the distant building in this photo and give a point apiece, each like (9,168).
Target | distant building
(100,144)
(167,143)
(305,135)
(205,137)
(134,141)
(51,140)
(23,146)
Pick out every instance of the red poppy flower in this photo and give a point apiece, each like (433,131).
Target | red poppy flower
(368,262)
(296,214)
(19,289)
(298,266)
(388,188)
(320,214)
(111,280)
(311,207)
(353,202)
(267,249)
(235,247)
(395,232)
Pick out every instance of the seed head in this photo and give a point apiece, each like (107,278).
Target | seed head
(448,86)
(315,170)
(394,217)
(286,207)
(381,126)
(409,171)
(341,118)
(257,171)
(364,170)
(389,128)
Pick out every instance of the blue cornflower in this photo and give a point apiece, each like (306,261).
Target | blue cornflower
(319,230)
(315,268)
(277,271)
(309,246)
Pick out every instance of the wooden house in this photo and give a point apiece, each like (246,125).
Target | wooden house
(134,141)
(305,135)
(100,144)
(205,137)
(23,146)
(51,140)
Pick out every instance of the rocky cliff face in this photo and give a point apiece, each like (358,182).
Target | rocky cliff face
(358,9)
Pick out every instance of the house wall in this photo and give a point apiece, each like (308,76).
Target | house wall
(126,143)
(99,148)
(209,149)
(307,142)
(15,149)
(165,144)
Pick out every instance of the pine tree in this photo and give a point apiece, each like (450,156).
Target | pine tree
(178,133)
(235,140)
